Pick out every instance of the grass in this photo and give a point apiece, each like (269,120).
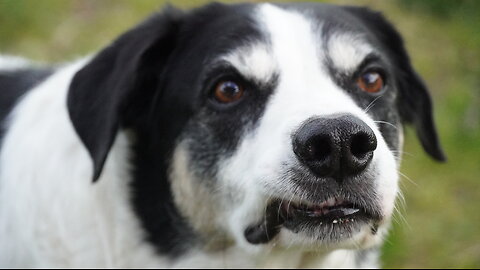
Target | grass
(440,224)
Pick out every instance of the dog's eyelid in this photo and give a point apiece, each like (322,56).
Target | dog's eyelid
(219,68)
(219,73)
(372,63)
(223,70)
(223,66)
(371,59)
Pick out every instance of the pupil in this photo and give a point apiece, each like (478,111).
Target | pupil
(230,88)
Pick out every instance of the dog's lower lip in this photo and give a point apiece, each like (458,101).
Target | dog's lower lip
(330,210)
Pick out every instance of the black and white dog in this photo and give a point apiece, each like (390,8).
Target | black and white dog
(249,135)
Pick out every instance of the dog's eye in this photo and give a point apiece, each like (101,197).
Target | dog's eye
(228,92)
(371,82)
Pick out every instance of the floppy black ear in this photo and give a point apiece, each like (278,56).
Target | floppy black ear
(414,102)
(106,93)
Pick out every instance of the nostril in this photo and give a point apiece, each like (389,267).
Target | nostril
(319,148)
(362,143)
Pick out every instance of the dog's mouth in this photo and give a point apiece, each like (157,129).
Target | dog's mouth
(332,220)
(333,210)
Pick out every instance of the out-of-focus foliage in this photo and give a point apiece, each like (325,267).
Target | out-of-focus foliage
(442,207)
(438,225)
(445,8)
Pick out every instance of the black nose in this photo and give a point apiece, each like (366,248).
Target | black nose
(335,146)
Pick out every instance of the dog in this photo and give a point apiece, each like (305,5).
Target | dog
(243,135)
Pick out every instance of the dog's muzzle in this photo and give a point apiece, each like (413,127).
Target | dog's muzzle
(336,150)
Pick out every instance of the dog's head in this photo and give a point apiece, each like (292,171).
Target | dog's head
(265,123)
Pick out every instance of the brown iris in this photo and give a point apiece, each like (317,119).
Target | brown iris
(371,82)
(228,92)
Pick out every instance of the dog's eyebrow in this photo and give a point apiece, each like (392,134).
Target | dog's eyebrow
(368,59)
(255,62)
(347,51)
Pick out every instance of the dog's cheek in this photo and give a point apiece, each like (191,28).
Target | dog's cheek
(386,161)
(196,200)
(217,210)
(390,158)
(240,175)
(387,179)
(390,127)
(384,166)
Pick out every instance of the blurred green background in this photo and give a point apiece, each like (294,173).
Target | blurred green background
(439,223)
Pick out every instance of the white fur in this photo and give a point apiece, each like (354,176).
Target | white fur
(254,61)
(51,214)
(236,257)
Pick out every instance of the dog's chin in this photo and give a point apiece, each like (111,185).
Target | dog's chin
(333,223)
(330,238)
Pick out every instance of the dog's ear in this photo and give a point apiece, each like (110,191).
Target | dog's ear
(414,102)
(101,95)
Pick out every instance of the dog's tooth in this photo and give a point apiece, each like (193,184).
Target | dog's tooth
(331,202)
(335,221)
(349,211)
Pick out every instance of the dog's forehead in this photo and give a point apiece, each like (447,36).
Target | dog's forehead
(298,38)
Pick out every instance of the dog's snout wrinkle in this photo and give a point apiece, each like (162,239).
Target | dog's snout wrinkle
(336,146)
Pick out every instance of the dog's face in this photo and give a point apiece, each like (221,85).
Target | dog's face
(275,123)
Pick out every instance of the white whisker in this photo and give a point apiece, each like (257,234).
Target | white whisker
(370,106)
(387,123)
(408,178)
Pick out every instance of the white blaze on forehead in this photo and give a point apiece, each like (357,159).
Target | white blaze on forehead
(254,61)
(347,50)
(292,39)
(305,88)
